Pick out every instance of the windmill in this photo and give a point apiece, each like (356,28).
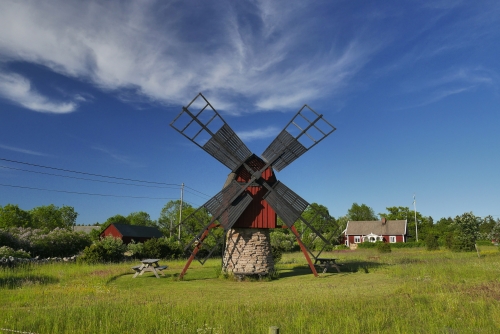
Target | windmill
(252,198)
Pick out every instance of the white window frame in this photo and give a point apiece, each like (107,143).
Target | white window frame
(357,239)
(392,239)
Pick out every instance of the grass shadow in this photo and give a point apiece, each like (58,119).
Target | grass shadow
(357,266)
(15,282)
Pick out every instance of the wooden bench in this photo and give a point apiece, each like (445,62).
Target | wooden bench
(327,263)
(149,265)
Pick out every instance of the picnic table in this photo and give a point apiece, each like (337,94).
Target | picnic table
(149,265)
(326,263)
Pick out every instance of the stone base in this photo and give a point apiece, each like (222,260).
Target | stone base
(248,252)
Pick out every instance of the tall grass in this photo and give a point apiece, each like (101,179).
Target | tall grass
(406,291)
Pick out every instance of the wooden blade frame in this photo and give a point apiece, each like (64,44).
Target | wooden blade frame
(208,130)
(306,129)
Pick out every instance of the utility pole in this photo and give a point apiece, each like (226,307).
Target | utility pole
(180,209)
(415,209)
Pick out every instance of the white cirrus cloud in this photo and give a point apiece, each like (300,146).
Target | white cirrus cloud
(17,89)
(21,150)
(262,133)
(153,49)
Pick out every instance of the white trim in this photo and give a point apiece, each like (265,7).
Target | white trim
(392,239)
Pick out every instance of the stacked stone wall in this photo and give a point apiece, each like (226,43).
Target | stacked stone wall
(248,251)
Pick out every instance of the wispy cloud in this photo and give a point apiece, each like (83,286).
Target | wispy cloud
(263,133)
(123,159)
(17,89)
(21,150)
(155,51)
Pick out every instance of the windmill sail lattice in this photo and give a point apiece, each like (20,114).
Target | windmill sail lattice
(203,125)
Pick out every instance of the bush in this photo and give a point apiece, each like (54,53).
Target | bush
(383,247)
(108,249)
(157,248)
(411,244)
(59,242)
(366,244)
(484,243)
(277,253)
(431,242)
(6,251)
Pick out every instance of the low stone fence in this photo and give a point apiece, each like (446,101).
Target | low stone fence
(12,261)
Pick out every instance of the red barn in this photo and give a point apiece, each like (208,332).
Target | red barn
(391,231)
(131,232)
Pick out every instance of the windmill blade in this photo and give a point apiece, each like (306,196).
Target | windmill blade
(306,129)
(203,125)
(228,204)
(289,207)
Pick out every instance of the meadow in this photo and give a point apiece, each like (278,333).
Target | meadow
(405,291)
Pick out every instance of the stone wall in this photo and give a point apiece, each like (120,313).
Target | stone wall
(248,251)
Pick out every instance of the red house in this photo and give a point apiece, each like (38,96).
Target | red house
(131,232)
(391,231)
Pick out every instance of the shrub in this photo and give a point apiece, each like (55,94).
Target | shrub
(108,249)
(431,242)
(6,251)
(411,244)
(277,253)
(156,248)
(136,250)
(366,244)
(8,239)
(383,247)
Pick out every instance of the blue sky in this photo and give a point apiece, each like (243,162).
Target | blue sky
(92,86)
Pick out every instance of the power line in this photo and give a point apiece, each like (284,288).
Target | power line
(209,196)
(85,173)
(82,193)
(83,178)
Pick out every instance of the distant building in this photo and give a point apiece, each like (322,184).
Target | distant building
(87,229)
(127,233)
(391,231)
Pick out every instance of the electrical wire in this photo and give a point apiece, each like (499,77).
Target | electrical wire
(85,173)
(86,179)
(82,193)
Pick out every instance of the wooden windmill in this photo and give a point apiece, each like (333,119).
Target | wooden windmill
(247,206)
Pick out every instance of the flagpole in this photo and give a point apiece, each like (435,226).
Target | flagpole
(415,209)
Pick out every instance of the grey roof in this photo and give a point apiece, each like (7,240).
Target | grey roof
(87,229)
(391,227)
(136,231)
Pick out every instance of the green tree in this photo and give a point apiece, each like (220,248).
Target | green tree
(361,212)
(13,216)
(169,215)
(140,218)
(486,226)
(50,216)
(68,216)
(466,232)
(424,224)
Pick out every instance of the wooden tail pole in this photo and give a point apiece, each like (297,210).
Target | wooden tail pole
(196,249)
(304,250)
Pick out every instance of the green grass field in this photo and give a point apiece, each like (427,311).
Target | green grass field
(406,291)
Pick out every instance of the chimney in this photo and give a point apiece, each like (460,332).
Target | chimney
(383,220)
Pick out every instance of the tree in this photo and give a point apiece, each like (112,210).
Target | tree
(169,215)
(140,218)
(486,226)
(50,216)
(13,216)
(68,216)
(361,212)
(466,232)
(425,224)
